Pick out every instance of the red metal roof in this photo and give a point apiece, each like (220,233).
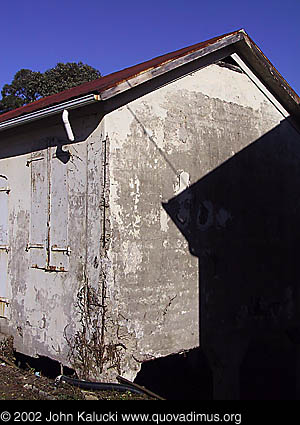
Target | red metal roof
(106,82)
(112,80)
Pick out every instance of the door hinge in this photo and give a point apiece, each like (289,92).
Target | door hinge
(37,245)
(59,249)
(5,248)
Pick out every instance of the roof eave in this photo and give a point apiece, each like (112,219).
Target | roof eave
(269,75)
(51,110)
(238,42)
(121,85)
(169,65)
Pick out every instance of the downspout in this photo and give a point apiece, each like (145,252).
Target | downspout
(68,128)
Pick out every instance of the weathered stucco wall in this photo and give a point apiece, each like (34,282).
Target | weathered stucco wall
(168,225)
(180,213)
(45,175)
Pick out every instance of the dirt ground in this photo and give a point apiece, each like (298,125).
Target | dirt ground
(18,384)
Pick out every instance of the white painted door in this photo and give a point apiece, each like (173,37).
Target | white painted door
(38,244)
(48,244)
(59,213)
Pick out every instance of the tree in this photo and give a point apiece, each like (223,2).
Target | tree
(65,76)
(24,89)
(28,86)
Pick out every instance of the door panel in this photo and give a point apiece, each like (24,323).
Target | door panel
(60,251)
(4,245)
(39,211)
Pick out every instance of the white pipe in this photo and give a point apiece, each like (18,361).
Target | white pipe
(68,128)
(33,116)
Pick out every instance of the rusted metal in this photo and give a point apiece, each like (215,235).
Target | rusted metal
(3,307)
(5,248)
(49,268)
(55,269)
(29,246)
(103,83)
(98,86)
(56,248)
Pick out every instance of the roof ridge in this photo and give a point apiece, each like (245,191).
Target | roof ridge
(113,78)
(110,81)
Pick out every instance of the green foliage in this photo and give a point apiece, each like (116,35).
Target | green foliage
(24,89)
(65,76)
(28,86)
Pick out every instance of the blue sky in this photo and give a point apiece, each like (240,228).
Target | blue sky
(111,35)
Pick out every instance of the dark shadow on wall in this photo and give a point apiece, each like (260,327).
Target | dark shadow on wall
(42,365)
(184,376)
(268,369)
(242,220)
(49,132)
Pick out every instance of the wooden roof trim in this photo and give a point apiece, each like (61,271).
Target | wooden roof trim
(118,82)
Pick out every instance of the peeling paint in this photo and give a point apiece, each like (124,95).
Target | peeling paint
(182,183)
(133,256)
(168,140)
(161,147)
(164,219)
